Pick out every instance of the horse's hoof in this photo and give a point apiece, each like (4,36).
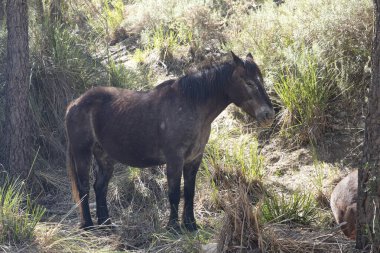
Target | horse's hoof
(86,226)
(191,226)
(104,222)
(174,227)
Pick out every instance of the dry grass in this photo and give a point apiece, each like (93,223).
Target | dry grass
(240,229)
(282,238)
(174,36)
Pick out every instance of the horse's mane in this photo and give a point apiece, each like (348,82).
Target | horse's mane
(200,85)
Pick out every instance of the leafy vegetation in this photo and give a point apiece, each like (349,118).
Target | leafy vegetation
(18,215)
(314,56)
(299,208)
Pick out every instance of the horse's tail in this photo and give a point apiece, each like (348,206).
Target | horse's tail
(72,172)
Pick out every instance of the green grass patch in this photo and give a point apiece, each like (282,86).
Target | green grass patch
(123,77)
(227,154)
(297,208)
(19,215)
(304,89)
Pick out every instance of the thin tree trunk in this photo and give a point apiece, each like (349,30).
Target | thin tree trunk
(368,227)
(17,120)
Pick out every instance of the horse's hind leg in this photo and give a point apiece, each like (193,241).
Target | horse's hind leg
(80,161)
(102,176)
(80,141)
(189,175)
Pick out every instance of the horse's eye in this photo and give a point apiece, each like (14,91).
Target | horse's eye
(250,83)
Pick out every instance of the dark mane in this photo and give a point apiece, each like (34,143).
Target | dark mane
(201,85)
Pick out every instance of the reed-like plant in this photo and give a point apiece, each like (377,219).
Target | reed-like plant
(18,214)
(297,208)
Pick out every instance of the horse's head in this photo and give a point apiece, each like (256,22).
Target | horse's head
(247,90)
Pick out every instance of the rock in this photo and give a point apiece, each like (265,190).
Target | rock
(209,248)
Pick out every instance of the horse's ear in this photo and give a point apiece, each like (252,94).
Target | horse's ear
(237,60)
(249,57)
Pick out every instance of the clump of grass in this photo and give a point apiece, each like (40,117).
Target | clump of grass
(298,208)
(165,40)
(58,237)
(231,166)
(183,242)
(310,52)
(229,154)
(304,89)
(241,227)
(19,215)
(123,77)
(235,167)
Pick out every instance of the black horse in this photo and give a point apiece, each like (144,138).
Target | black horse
(169,124)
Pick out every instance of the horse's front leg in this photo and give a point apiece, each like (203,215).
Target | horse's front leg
(174,167)
(189,175)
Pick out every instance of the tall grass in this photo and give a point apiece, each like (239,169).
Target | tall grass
(123,77)
(310,52)
(19,215)
(305,89)
(298,208)
(226,155)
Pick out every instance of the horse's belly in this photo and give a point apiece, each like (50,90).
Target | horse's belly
(142,162)
(135,155)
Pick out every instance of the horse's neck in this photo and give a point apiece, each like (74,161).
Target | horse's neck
(213,107)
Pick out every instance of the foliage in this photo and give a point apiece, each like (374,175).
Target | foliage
(241,155)
(298,208)
(313,49)
(19,216)
(304,89)
(123,77)
(313,55)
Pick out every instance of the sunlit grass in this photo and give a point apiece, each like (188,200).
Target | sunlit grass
(18,214)
(297,208)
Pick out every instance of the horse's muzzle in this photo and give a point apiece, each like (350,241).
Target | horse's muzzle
(265,117)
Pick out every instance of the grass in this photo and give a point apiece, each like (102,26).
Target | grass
(19,215)
(123,77)
(228,153)
(304,89)
(53,237)
(309,57)
(312,54)
(299,208)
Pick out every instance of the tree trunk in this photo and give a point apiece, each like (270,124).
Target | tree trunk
(17,117)
(368,227)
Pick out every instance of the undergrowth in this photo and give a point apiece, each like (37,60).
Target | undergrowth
(299,208)
(312,53)
(18,215)
(305,89)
